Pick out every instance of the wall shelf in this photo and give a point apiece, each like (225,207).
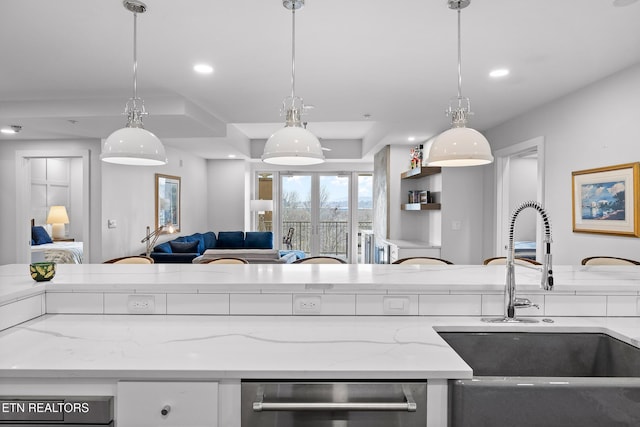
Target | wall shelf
(420,206)
(420,172)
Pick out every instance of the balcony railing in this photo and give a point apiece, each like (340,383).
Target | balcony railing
(333,236)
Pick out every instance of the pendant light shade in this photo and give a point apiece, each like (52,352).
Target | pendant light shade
(133,144)
(460,145)
(293,145)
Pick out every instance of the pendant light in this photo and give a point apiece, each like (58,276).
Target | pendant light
(293,145)
(133,144)
(460,145)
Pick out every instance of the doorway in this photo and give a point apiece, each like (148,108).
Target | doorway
(317,206)
(519,178)
(27,187)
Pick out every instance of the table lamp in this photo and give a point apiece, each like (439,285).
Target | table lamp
(58,217)
(261,206)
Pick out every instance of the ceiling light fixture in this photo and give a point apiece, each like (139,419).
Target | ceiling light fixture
(203,68)
(11,130)
(499,72)
(293,145)
(133,144)
(460,145)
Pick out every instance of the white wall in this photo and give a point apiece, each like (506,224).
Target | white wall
(593,127)
(128,194)
(226,195)
(463,197)
(523,174)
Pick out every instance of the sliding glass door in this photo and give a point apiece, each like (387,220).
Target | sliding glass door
(316,213)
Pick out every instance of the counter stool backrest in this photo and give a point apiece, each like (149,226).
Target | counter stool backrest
(138,259)
(423,260)
(608,260)
(226,260)
(320,260)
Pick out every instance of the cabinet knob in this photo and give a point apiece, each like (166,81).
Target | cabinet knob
(165,410)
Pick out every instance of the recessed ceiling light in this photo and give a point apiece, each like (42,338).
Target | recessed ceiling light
(499,72)
(10,130)
(411,138)
(231,156)
(623,3)
(203,68)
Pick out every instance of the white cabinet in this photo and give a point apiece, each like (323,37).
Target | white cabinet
(167,404)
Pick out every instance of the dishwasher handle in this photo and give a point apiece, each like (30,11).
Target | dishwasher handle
(408,406)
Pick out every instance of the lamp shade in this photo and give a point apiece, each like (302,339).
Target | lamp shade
(294,146)
(460,146)
(261,205)
(133,146)
(58,215)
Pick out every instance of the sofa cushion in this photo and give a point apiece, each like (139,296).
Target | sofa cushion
(230,240)
(40,236)
(209,240)
(184,247)
(164,248)
(165,258)
(258,240)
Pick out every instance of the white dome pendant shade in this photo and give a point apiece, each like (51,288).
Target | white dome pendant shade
(293,145)
(133,144)
(460,145)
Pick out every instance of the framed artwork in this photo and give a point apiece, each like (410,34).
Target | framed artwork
(605,200)
(168,201)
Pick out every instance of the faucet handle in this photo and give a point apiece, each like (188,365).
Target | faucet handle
(547,273)
(524,303)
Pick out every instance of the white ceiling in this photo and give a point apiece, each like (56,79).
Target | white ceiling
(66,67)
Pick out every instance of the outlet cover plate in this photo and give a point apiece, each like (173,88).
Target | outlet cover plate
(141,304)
(307,304)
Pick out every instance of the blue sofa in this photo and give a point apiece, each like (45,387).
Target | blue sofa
(185,249)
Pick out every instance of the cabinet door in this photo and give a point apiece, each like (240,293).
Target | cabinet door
(167,404)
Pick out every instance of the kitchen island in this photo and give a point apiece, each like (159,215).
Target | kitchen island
(104,329)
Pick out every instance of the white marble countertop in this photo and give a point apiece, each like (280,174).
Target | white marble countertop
(218,347)
(15,282)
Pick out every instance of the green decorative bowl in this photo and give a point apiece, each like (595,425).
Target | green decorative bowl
(42,271)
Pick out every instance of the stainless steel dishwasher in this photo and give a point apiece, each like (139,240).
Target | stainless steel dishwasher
(336,404)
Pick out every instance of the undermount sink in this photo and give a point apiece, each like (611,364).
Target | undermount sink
(545,379)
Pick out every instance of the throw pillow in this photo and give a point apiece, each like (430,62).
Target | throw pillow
(184,247)
(163,248)
(230,240)
(40,236)
(196,237)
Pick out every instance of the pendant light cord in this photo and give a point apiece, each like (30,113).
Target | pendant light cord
(293,53)
(135,56)
(459,60)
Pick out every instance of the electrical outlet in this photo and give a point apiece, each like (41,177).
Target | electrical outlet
(303,304)
(141,304)
(396,305)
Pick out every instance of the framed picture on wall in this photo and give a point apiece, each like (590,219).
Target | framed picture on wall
(605,200)
(168,201)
